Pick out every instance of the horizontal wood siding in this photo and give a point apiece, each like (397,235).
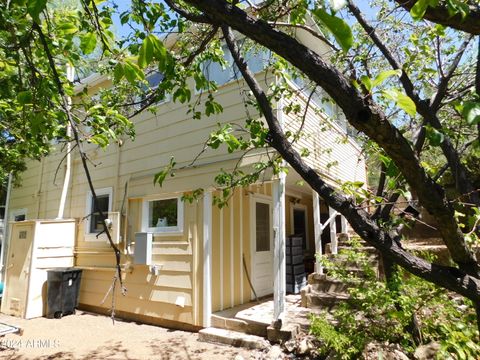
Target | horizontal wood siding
(330,151)
(129,171)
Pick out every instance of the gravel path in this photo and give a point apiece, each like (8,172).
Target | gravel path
(91,336)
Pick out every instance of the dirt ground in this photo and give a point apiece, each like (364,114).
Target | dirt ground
(91,336)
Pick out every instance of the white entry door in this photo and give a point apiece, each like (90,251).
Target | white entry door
(262,247)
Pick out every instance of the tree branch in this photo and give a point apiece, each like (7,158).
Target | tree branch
(450,278)
(462,176)
(443,84)
(440,15)
(187,15)
(72,123)
(362,114)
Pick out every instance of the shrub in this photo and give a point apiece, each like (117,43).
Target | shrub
(384,314)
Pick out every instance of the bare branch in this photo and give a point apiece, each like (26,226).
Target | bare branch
(443,84)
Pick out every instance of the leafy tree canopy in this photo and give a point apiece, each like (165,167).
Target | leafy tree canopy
(406,75)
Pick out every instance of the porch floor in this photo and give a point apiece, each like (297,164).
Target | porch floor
(262,313)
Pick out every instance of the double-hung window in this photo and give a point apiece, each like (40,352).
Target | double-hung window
(164,215)
(104,203)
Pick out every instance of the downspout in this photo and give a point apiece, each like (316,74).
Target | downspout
(6,227)
(68,170)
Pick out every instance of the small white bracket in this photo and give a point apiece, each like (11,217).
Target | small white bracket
(155,269)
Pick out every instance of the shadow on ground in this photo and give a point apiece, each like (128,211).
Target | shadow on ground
(175,349)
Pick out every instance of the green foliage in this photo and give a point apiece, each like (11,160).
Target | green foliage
(337,26)
(401,100)
(471,112)
(418,10)
(377,312)
(331,338)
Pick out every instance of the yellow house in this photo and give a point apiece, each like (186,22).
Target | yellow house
(183,261)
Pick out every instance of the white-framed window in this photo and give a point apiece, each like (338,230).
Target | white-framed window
(104,202)
(153,79)
(18,214)
(163,215)
(256,61)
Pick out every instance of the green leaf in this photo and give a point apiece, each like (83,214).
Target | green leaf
(132,72)
(471,112)
(88,42)
(339,28)
(402,101)
(418,10)
(145,54)
(35,7)
(118,72)
(68,28)
(384,75)
(25,97)
(434,136)
(367,82)
(160,176)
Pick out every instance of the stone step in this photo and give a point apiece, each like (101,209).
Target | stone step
(342,259)
(366,249)
(240,323)
(229,323)
(323,300)
(233,338)
(423,241)
(330,286)
(323,283)
(356,272)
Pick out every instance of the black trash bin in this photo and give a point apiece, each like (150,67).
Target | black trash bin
(63,287)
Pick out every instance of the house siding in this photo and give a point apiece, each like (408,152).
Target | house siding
(129,171)
(333,154)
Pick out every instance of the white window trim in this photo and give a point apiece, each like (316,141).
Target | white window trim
(230,67)
(167,230)
(104,191)
(167,98)
(16,212)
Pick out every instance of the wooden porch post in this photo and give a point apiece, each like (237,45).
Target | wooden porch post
(317,229)
(207,258)
(333,231)
(279,282)
(344,224)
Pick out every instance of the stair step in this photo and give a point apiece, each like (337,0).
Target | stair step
(233,338)
(330,287)
(229,323)
(321,299)
(366,249)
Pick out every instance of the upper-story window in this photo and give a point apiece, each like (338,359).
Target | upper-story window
(257,59)
(323,101)
(154,79)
